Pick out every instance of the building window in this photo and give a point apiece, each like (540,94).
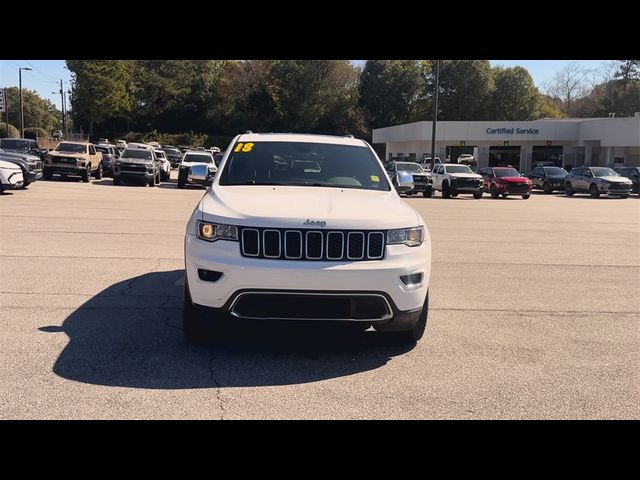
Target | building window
(619,160)
(412,157)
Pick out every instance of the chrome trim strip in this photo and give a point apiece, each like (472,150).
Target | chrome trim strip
(299,233)
(342,248)
(386,316)
(264,243)
(363,245)
(243,250)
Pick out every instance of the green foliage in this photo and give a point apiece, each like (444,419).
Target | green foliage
(13,131)
(40,132)
(515,96)
(38,112)
(465,90)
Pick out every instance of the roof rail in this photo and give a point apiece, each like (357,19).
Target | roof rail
(248,131)
(348,135)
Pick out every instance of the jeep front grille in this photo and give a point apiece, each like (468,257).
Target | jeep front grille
(307,244)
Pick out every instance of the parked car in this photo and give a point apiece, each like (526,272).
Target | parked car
(121,144)
(10,176)
(109,155)
(596,181)
(138,165)
(330,244)
(633,174)
(30,165)
(174,155)
(452,179)
(548,178)
(466,159)
(23,145)
(74,159)
(505,181)
(429,165)
(155,145)
(165,165)
(190,159)
(422,181)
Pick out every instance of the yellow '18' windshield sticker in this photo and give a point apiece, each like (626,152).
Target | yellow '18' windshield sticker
(375,178)
(243,147)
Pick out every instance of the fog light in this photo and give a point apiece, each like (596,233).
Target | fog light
(209,275)
(413,279)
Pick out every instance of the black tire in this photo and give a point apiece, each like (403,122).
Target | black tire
(428,192)
(152,181)
(25,179)
(415,334)
(180,183)
(505,195)
(453,193)
(568,190)
(526,196)
(494,192)
(624,196)
(86,176)
(195,331)
(98,174)
(546,187)
(116,180)
(445,191)
(477,195)
(593,191)
(48,174)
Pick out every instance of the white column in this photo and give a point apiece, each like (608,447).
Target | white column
(608,157)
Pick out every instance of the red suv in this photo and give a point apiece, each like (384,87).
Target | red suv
(505,181)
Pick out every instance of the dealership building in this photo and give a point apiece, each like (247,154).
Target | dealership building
(572,142)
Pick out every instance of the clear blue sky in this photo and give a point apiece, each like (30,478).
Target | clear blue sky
(46,74)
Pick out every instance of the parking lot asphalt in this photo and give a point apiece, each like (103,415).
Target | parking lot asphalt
(534,314)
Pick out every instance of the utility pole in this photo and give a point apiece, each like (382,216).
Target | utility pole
(21,103)
(435,117)
(6,109)
(64,115)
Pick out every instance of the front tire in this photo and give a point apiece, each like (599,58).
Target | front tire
(86,176)
(193,325)
(446,193)
(152,181)
(546,188)
(48,174)
(494,192)
(568,190)
(526,196)
(428,192)
(98,174)
(415,334)
(116,180)
(477,195)
(593,191)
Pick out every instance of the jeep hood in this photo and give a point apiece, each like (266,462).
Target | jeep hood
(291,206)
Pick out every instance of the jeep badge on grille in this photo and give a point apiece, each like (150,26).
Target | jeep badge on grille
(319,223)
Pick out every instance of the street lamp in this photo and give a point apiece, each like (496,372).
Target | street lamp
(435,117)
(21,106)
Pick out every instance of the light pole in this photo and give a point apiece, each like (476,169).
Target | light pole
(435,117)
(62,106)
(21,105)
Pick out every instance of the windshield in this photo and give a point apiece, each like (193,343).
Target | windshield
(458,169)
(102,149)
(194,157)
(143,154)
(303,163)
(505,172)
(555,171)
(172,151)
(15,144)
(71,148)
(408,167)
(160,154)
(603,172)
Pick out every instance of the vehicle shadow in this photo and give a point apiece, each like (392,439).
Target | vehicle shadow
(130,335)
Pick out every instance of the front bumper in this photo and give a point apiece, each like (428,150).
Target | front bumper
(242,273)
(615,190)
(136,176)
(67,169)
(12,180)
(515,189)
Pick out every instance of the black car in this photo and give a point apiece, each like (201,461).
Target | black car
(633,174)
(547,178)
(23,145)
(109,155)
(421,180)
(173,155)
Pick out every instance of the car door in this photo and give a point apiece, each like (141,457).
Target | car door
(586,179)
(437,177)
(94,158)
(537,177)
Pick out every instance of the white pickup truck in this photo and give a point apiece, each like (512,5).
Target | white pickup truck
(452,179)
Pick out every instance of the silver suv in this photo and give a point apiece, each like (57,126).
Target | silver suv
(595,181)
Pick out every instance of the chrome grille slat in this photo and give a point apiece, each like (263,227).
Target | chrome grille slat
(312,245)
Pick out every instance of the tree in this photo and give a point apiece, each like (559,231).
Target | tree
(465,89)
(38,112)
(515,96)
(567,85)
(393,91)
(102,89)
(13,131)
(628,70)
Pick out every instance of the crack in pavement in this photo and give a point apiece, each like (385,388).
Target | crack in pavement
(223,410)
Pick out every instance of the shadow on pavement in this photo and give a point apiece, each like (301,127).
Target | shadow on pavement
(130,335)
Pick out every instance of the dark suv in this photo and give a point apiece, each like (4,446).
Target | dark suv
(633,174)
(422,181)
(173,155)
(23,145)
(548,178)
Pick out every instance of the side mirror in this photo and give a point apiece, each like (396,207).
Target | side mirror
(200,175)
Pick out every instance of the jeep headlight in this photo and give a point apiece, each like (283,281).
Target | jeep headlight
(211,232)
(411,237)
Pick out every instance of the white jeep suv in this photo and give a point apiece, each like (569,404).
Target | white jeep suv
(308,228)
